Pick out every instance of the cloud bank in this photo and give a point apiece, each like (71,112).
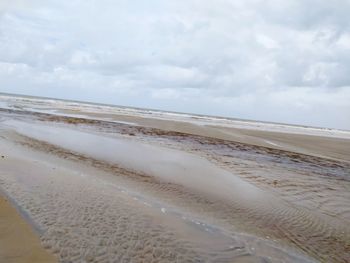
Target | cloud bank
(283,61)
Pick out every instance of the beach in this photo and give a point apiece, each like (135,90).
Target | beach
(18,241)
(99,183)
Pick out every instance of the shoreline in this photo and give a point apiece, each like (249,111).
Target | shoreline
(109,187)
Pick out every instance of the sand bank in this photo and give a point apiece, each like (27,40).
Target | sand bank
(163,191)
(88,216)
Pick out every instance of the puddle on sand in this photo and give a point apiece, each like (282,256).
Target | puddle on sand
(169,165)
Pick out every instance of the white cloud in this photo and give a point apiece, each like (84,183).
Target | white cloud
(246,59)
(9,5)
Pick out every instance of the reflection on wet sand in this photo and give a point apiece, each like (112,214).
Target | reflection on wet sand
(123,192)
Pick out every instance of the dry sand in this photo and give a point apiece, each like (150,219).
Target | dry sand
(165,191)
(18,242)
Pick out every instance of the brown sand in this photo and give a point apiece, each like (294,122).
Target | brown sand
(18,242)
(89,221)
(308,176)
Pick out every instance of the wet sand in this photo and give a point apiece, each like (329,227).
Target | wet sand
(125,190)
(324,146)
(89,218)
(18,242)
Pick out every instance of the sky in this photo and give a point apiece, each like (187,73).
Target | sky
(275,60)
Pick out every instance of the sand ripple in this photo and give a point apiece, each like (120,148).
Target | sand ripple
(306,208)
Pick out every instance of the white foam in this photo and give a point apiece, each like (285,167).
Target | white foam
(62,107)
(272,143)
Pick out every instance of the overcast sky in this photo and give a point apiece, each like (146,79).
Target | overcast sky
(273,60)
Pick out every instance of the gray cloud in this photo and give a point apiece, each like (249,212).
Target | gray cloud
(285,61)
